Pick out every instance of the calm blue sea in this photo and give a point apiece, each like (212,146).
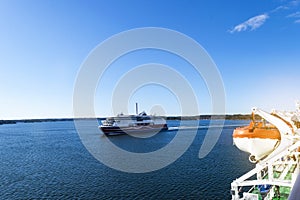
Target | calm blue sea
(47,160)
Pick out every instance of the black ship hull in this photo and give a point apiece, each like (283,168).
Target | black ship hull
(115,130)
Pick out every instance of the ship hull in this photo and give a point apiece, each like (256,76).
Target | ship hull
(115,130)
(257,147)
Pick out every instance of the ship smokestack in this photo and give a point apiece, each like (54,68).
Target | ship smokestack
(136,108)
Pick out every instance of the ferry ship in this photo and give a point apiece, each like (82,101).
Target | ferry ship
(274,145)
(133,124)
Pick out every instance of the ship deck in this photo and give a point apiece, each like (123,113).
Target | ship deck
(279,174)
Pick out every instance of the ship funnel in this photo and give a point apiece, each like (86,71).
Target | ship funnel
(136,109)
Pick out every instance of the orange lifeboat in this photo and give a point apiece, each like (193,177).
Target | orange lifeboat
(258,138)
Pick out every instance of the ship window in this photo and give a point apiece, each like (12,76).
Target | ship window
(147,118)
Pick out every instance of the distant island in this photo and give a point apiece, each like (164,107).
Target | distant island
(197,117)
(33,120)
(207,117)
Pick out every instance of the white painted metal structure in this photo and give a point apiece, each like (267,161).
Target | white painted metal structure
(283,160)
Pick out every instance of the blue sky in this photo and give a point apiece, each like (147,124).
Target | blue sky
(255,45)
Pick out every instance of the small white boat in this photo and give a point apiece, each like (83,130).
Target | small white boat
(258,138)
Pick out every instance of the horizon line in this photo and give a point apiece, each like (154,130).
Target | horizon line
(99,117)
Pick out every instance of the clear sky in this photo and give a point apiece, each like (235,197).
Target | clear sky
(255,45)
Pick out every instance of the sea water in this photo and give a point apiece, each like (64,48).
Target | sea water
(47,160)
